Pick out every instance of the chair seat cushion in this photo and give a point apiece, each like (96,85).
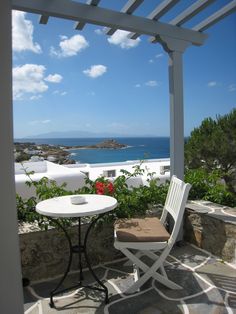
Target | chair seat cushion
(141,230)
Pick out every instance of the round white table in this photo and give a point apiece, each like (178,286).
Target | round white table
(61,207)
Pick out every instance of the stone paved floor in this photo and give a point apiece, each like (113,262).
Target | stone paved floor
(209,286)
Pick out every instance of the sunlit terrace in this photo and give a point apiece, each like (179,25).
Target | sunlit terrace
(202,263)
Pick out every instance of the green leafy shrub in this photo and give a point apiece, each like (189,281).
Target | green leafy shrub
(44,189)
(131,201)
(209,186)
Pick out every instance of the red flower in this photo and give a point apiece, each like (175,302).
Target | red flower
(104,188)
(110,187)
(99,186)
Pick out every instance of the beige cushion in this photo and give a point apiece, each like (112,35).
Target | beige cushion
(141,230)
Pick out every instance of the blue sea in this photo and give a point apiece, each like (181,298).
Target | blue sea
(139,148)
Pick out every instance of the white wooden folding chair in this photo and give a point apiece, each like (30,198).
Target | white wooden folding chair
(148,236)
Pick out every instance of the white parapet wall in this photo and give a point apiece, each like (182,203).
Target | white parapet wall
(60,174)
(74,175)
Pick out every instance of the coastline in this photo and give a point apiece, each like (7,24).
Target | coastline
(135,149)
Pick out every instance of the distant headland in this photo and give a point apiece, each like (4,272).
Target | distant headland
(30,151)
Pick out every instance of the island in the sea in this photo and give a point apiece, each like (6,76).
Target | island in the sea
(108,144)
(56,153)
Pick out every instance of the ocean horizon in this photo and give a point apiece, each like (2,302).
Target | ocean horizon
(139,148)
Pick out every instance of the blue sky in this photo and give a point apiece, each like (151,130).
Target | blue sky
(66,80)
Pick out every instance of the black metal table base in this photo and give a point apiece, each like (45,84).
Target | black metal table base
(78,249)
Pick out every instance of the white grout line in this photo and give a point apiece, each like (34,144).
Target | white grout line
(212,210)
(228,214)
(203,279)
(77,271)
(115,287)
(31,290)
(228,308)
(202,264)
(183,298)
(213,256)
(230,264)
(123,296)
(31,308)
(185,307)
(40,308)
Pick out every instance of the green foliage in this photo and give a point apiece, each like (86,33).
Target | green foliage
(22,157)
(44,189)
(212,146)
(131,201)
(208,186)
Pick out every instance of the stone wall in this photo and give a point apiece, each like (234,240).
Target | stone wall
(211,227)
(45,254)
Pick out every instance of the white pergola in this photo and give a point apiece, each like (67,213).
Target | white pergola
(174,38)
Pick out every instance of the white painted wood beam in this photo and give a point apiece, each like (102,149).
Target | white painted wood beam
(216,17)
(11,292)
(162,9)
(159,11)
(190,12)
(129,8)
(80,25)
(76,11)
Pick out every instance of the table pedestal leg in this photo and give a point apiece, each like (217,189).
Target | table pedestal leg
(79,249)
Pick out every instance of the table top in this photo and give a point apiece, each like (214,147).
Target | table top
(62,207)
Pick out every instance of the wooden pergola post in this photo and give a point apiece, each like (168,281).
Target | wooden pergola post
(11,296)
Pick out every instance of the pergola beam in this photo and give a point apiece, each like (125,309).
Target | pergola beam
(159,11)
(71,10)
(129,8)
(80,25)
(216,17)
(163,8)
(190,12)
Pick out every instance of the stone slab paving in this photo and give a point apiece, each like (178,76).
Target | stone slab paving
(209,286)
(224,213)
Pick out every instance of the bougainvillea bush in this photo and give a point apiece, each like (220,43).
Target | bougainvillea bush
(132,202)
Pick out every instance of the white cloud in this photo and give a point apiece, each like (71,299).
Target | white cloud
(99,31)
(28,78)
(35,97)
(232,87)
(150,61)
(159,55)
(137,85)
(121,39)
(22,33)
(34,122)
(69,46)
(53,78)
(57,92)
(152,83)
(212,84)
(95,70)
(117,126)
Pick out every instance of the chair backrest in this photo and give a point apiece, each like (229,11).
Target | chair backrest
(175,203)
